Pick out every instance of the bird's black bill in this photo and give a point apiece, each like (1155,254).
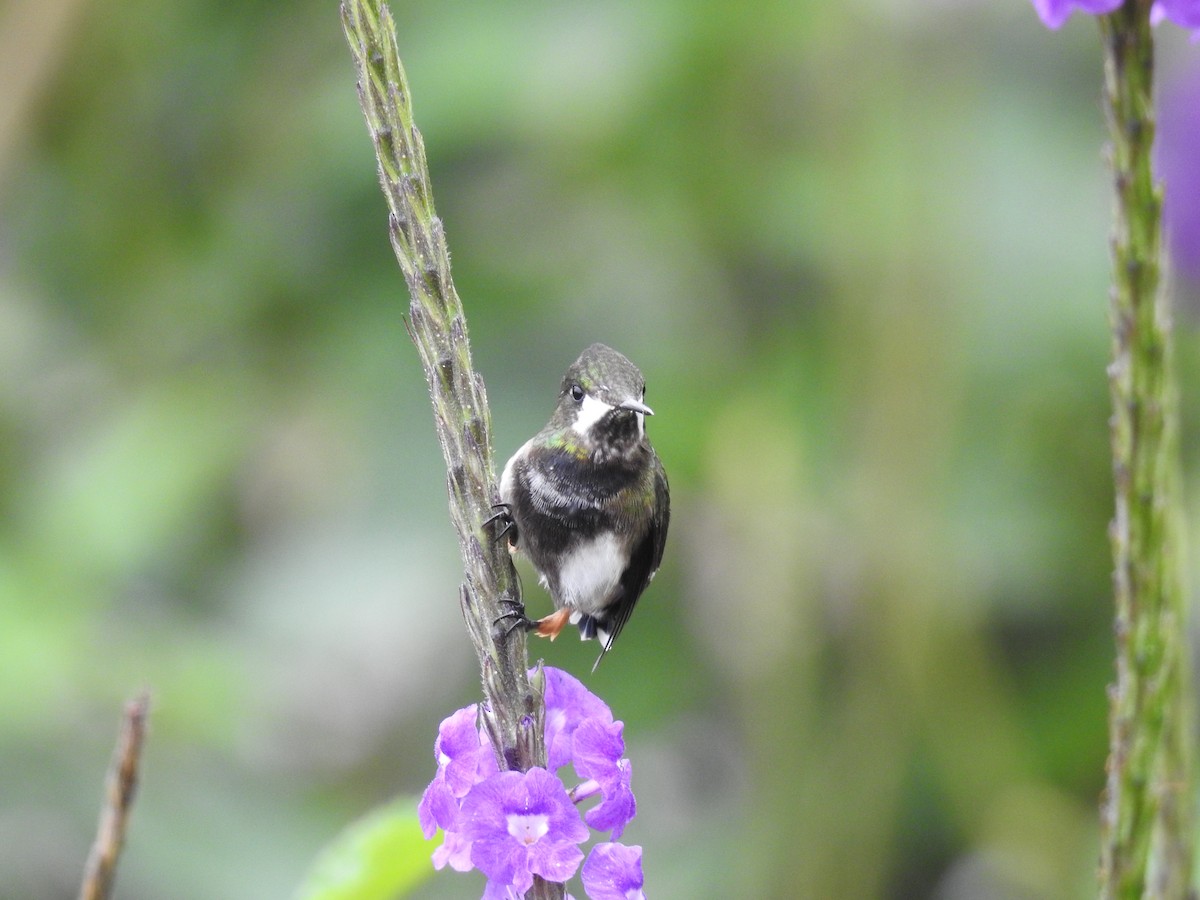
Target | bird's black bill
(636,406)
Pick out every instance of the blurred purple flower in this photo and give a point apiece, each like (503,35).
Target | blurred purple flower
(1184,13)
(613,872)
(1178,158)
(598,751)
(521,824)
(568,703)
(1055,12)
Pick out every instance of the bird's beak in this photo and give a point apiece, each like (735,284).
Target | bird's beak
(636,406)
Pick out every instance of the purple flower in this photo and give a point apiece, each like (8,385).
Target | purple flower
(463,755)
(1184,13)
(568,703)
(598,751)
(521,824)
(454,852)
(513,825)
(613,872)
(1055,12)
(463,760)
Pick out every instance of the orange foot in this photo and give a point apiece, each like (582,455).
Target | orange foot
(552,624)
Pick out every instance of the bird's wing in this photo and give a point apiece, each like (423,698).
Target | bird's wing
(643,563)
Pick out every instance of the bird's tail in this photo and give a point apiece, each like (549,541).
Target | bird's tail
(595,627)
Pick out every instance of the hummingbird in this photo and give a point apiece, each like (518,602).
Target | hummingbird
(586,501)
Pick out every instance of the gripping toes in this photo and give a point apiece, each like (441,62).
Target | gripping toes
(512,617)
(502,512)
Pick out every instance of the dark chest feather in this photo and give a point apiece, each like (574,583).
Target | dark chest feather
(562,500)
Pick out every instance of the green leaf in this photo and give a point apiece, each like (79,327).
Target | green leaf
(381,856)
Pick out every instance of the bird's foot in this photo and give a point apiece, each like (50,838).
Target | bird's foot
(502,513)
(513,617)
(551,625)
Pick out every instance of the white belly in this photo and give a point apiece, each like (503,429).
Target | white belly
(589,574)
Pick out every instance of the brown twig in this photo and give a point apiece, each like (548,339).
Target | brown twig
(120,786)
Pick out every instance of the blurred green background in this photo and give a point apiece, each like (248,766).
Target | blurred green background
(859,251)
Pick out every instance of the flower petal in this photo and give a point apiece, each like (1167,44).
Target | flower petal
(618,807)
(496,859)
(1184,13)
(1054,13)
(454,851)
(496,817)
(555,862)
(438,807)
(568,703)
(614,872)
(597,747)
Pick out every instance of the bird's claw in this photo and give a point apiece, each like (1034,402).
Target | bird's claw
(514,614)
(503,513)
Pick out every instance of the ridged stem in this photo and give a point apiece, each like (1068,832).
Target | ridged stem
(513,711)
(1147,810)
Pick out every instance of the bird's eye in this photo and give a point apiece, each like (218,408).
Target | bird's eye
(576,393)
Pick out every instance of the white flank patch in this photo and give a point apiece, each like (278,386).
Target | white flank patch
(506,478)
(591,411)
(590,573)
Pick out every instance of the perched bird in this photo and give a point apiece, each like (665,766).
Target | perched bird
(586,500)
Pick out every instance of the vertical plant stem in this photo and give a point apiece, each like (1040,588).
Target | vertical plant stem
(1147,807)
(513,713)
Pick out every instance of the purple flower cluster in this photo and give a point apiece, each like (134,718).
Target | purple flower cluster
(515,825)
(1184,13)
